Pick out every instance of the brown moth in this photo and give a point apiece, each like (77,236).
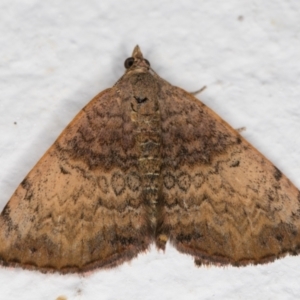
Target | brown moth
(147,162)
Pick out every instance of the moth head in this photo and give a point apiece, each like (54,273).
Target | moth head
(137,62)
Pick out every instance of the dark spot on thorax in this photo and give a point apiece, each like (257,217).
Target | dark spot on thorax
(140,100)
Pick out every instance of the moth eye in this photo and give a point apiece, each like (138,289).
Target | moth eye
(129,62)
(147,62)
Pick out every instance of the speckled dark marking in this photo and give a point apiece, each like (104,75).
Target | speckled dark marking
(134,182)
(118,183)
(64,171)
(184,181)
(198,180)
(103,184)
(235,164)
(169,181)
(25,184)
(277,173)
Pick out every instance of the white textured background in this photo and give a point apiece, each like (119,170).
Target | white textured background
(56,55)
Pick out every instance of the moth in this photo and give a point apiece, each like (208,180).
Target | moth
(146,162)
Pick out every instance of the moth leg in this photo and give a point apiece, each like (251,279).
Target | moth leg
(198,91)
(241,129)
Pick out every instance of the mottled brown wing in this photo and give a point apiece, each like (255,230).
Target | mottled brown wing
(223,201)
(81,206)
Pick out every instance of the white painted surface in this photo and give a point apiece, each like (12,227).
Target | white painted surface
(56,55)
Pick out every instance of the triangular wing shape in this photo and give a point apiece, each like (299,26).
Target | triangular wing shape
(223,201)
(81,206)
